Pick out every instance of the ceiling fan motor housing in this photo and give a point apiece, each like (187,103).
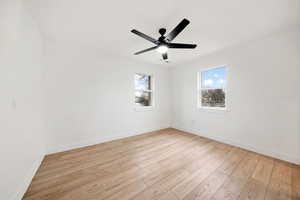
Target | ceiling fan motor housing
(162,31)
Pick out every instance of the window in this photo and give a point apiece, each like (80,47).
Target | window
(143,90)
(212,88)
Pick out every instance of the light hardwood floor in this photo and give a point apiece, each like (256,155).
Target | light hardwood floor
(164,165)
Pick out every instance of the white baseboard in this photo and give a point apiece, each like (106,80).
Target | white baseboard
(89,142)
(263,151)
(22,188)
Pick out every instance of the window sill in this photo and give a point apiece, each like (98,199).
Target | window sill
(143,109)
(213,109)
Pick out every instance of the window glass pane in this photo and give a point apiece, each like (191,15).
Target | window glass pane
(213,98)
(214,78)
(143,98)
(142,82)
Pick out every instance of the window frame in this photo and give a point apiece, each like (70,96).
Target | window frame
(151,91)
(199,89)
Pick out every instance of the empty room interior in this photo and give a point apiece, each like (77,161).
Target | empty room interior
(149,100)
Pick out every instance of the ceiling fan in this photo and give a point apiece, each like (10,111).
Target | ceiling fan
(163,43)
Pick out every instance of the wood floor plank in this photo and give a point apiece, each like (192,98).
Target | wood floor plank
(232,161)
(295,183)
(238,169)
(163,165)
(279,191)
(253,190)
(172,180)
(128,192)
(168,196)
(295,193)
(282,173)
(296,176)
(191,182)
(153,192)
(231,189)
(280,186)
(208,187)
(263,170)
(247,166)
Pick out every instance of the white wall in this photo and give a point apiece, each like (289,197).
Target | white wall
(21,121)
(89,97)
(263,96)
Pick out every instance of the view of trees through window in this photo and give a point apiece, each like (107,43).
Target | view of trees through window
(143,90)
(213,87)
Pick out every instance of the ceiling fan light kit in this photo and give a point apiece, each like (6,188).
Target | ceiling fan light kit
(163,43)
(162,49)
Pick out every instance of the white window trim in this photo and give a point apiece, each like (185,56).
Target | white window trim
(152,83)
(199,88)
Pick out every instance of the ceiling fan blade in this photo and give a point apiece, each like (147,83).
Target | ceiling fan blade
(145,50)
(181,46)
(145,36)
(165,56)
(177,29)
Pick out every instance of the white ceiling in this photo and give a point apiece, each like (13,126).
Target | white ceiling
(215,24)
